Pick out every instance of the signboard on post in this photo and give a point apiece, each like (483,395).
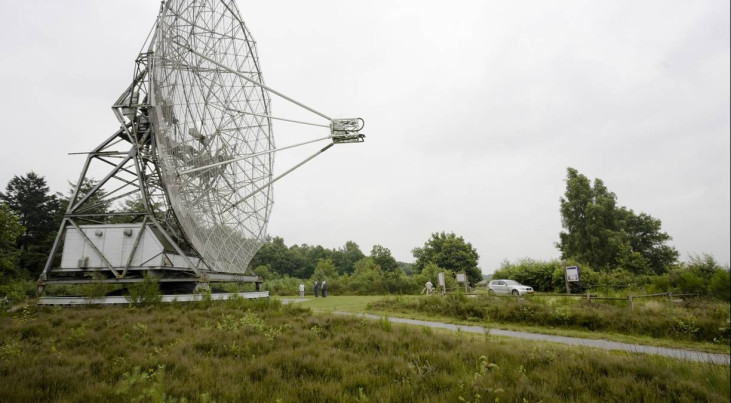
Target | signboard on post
(462,278)
(572,274)
(440,279)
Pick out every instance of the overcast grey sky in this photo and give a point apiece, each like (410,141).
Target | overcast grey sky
(473,109)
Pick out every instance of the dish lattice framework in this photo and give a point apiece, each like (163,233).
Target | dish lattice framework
(204,115)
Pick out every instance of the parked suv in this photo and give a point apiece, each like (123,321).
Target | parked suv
(508,287)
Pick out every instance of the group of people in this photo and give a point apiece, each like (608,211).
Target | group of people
(317,288)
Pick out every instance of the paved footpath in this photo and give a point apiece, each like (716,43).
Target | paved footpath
(689,355)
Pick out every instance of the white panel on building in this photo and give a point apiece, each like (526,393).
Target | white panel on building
(116,242)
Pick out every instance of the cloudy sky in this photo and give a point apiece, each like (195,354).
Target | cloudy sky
(473,109)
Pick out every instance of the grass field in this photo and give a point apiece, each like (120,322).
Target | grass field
(263,351)
(346,303)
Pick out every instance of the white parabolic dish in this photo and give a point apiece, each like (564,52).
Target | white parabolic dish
(203,114)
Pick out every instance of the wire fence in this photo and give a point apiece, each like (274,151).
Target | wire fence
(630,299)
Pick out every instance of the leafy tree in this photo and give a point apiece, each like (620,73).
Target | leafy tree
(307,257)
(367,277)
(325,270)
(449,252)
(407,268)
(278,257)
(607,236)
(720,285)
(10,230)
(266,273)
(29,197)
(645,240)
(430,272)
(382,257)
(134,204)
(345,257)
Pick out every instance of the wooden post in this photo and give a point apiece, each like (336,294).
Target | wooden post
(565,278)
(631,303)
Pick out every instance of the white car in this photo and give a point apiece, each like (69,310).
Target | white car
(508,287)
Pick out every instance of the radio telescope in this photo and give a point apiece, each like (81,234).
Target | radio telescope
(191,166)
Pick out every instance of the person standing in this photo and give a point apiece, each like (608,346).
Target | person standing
(317,286)
(324,288)
(302,290)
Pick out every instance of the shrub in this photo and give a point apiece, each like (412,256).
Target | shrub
(16,291)
(719,286)
(537,274)
(145,292)
(284,286)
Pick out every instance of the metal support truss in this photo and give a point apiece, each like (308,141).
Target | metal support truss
(133,175)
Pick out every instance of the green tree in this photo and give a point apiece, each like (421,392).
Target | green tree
(449,252)
(266,273)
(606,236)
(29,197)
(720,284)
(307,257)
(382,256)
(97,203)
(345,257)
(278,257)
(324,270)
(10,230)
(431,271)
(134,204)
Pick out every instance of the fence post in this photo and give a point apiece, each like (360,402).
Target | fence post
(631,303)
(670,295)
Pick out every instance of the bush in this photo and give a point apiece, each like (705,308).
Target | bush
(145,293)
(720,285)
(16,291)
(283,286)
(702,275)
(535,273)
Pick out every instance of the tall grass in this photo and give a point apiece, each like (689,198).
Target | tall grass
(262,351)
(697,320)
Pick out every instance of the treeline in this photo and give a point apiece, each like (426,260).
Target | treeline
(615,247)
(30,216)
(701,275)
(348,270)
(275,259)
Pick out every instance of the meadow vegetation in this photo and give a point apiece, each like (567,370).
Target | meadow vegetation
(695,320)
(701,275)
(244,350)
